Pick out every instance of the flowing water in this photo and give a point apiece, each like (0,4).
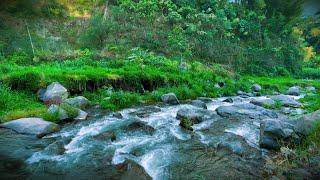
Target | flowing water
(99,147)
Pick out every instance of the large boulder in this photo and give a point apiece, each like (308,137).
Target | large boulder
(256,88)
(67,112)
(263,102)
(199,104)
(273,131)
(229,100)
(246,110)
(294,91)
(55,94)
(33,126)
(78,102)
(286,100)
(305,123)
(170,98)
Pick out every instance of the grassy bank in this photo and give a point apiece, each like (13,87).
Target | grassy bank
(116,84)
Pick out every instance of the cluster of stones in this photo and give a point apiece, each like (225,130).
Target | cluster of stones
(55,96)
(274,129)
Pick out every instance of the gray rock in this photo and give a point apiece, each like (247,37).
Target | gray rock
(41,93)
(199,104)
(55,94)
(286,100)
(247,110)
(273,131)
(234,147)
(244,94)
(304,124)
(263,102)
(33,126)
(56,148)
(229,100)
(256,88)
(78,102)
(106,136)
(311,89)
(56,110)
(195,115)
(204,99)
(140,126)
(294,91)
(117,115)
(298,174)
(130,169)
(146,111)
(81,116)
(170,98)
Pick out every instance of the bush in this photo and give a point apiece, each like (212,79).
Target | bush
(120,100)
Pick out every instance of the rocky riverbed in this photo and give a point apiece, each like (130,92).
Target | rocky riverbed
(223,138)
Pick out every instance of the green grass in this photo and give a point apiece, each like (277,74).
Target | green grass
(15,105)
(312,102)
(134,80)
(279,84)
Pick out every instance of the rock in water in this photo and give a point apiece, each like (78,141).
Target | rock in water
(199,104)
(55,94)
(294,91)
(263,102)
(189,116)
(81,116)
(132,170)
(33,126)
(229,100)
(256,88)
(170,98)
(245,111)
(78,102)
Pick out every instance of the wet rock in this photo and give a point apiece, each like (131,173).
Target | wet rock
(142,126)
(294,91)
(273,131)
(292,111)
(55,94)
(233,147)
(257,94)
(196,115)
(170,98)
(146,111)
(245,110)
(286,100)
(56,148)
(81,116)
(256,88)
(204,99)
(78,102)
(131,170)
(263,102)
(56,110)
(33,126)
(105,136)
(229,100)
(189,116)
(117,115)
(199,104)
(304,124)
